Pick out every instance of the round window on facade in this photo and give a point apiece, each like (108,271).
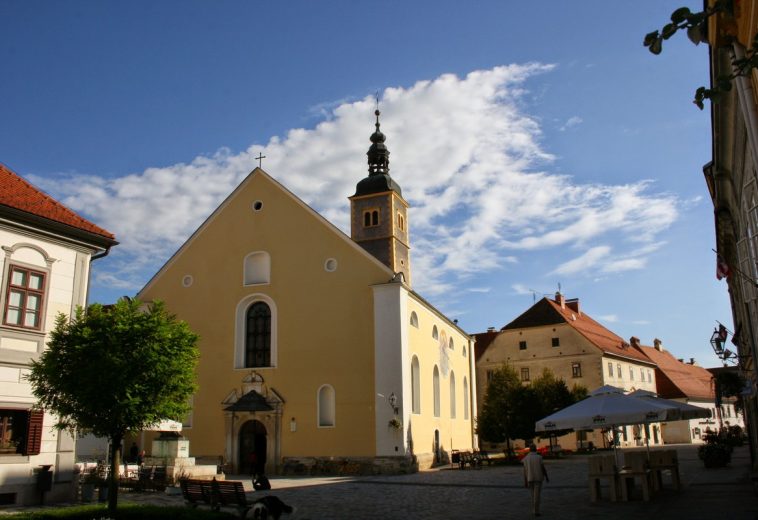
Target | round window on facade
(187,280)
(257,205)
(330,265)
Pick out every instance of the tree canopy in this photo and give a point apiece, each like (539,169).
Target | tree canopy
(511,408)
(114,369)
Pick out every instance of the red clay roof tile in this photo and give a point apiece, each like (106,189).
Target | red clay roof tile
(677,379)
(18,193)
(548,312)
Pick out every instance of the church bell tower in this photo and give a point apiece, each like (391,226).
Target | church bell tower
(379,213)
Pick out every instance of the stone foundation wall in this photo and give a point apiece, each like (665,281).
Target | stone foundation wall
(348,466)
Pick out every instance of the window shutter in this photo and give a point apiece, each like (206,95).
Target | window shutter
(34,432)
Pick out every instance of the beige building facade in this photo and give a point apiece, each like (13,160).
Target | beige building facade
(316,354)
(555,334)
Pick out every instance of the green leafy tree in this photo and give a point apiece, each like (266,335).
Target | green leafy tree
(114,369)
(495,423)
(511,409)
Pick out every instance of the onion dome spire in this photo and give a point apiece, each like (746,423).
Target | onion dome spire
(378,180)
(378,155)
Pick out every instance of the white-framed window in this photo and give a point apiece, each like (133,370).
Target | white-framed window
(255,332)
(618,370)
(25,297)
(415,386)
(257,268)
(436,386)
(631,373)
(610,369)
(326,406)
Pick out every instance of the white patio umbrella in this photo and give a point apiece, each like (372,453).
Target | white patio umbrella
(686,411)
(606,407)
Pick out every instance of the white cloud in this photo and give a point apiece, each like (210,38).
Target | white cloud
(464,150)
(571,122)
(610,318)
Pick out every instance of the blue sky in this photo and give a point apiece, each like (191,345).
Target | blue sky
(538,142)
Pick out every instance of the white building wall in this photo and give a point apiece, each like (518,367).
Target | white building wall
(67,269)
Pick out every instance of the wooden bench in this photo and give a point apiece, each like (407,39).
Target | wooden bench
(482,456)
(196,492)
(216,494)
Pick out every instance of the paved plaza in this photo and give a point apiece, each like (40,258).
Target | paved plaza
(498,492)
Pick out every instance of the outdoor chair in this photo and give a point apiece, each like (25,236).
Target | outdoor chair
(664,460)
(635,467)
(602,467)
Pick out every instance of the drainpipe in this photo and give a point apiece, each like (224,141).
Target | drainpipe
(92,258)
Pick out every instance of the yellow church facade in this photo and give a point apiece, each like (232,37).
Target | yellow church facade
(316,354)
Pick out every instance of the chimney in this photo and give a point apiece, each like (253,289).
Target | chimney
(693,362)
(560,300)
(634,341)
(658,344)
(573,304)
(490,329)
(681,360)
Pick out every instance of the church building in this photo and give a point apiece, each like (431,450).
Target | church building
(316,354)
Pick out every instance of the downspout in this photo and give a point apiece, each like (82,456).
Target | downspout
(92,258)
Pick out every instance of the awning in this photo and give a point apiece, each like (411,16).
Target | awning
(250,402)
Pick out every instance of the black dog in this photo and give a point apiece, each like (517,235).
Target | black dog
(270,508)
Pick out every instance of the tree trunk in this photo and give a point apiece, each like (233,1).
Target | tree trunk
(113,477)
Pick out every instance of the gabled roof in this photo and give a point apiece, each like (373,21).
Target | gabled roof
(676,379)
(21,200)
(548,312)
(483,340)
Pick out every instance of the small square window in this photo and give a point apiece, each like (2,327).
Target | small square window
(556,342)
(576,370)
(522,345)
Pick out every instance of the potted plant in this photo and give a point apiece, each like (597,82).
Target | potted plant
(89,481)
(395,424)
(716,452)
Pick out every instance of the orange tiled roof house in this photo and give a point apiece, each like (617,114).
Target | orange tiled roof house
(556,334)
(689,383)
(44,270)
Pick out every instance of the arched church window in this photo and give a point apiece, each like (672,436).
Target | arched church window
(465,397)
(258,336)
(452,394)
(326,406)
(436,387)
(414,319)
(415,386)
(367,219)
(375,218)
(435,333)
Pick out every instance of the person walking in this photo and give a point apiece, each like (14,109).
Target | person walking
(534,474)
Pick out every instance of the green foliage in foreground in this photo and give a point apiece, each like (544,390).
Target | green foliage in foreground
(124,512)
